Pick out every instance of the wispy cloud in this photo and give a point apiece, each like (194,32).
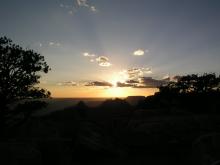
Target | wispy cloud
(140,52)
(93,8)
(135,73)
(90,56)
(86,54)
(77,4)
(67,83)
(85,3)
(51,43)
(103,61)
(99,83)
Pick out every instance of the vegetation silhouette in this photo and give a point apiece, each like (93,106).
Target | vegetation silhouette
(191,93)
(19,73)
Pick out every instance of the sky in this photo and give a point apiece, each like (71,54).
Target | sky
(115,48)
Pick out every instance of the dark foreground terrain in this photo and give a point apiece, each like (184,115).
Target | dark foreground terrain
(114,133)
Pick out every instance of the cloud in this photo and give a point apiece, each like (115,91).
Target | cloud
(90,56)
(103,61)
(99,83)
(138,52)
(86,54)
(120,84)
(132,81)
(135,73)
(51,43)
(93,8)
(67,83)
(149,82)
(76,5)
(142,82)
(85,3)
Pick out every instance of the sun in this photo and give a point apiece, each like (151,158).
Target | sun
(115,78)
(116,91)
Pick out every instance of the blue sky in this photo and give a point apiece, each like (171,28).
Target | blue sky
(170,37)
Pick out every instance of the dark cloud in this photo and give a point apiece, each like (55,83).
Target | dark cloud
(132,81)
(149,82)
(119,84)
(99,83)
(143,82)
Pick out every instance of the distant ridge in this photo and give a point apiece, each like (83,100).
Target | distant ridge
(133,100)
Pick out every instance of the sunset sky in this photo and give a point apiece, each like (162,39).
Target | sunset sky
(115,48)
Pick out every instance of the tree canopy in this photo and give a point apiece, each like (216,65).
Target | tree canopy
(193,93)
(205,83)
(20,72)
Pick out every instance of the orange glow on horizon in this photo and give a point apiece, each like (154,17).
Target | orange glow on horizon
(97,92)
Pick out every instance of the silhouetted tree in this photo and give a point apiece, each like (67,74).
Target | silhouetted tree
(194,93)
(19,73)
(193,84)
